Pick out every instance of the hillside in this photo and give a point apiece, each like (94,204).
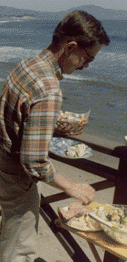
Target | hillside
(98,12)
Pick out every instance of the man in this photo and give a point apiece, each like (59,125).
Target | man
(29,108)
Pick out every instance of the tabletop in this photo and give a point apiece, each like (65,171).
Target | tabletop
(98,238)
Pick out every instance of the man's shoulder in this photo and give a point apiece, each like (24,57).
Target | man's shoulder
(38,65)
(35,78)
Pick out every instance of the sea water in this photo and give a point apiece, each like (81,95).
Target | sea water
(102,87)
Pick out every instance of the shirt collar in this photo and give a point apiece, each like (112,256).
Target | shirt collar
(50,58)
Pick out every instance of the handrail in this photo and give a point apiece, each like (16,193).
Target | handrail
(97,143)
(88,166)
(96,147)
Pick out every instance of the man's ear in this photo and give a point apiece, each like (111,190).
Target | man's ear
(69,47)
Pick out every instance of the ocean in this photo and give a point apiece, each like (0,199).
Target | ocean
(102,87)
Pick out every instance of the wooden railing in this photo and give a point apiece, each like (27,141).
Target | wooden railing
(90,166)
(113,177)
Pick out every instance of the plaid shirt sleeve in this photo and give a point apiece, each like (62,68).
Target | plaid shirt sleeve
(29,108)
(37,134)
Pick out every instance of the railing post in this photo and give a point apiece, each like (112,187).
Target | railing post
(120,194)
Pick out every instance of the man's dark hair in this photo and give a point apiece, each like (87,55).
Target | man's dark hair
(82,27)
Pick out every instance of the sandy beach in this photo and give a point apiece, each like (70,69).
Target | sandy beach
(50,248)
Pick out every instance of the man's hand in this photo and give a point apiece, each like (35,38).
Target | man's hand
(81,191)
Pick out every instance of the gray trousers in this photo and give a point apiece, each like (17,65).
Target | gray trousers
(20,202)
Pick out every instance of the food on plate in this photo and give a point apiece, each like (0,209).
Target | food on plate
(117,216)
(84,222)
(72,210)
(77,150)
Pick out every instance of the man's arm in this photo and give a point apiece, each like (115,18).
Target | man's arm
(37,133)
(81,191)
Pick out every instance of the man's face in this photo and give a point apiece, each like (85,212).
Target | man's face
(76,58)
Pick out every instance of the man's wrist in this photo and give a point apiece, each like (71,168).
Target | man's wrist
(60,182)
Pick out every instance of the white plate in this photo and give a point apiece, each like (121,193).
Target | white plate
(76,224)
(59,146)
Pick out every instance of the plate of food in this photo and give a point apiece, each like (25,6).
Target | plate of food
(68,215)
(113,220)
(69,148)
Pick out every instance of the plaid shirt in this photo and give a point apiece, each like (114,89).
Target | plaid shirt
(29,108)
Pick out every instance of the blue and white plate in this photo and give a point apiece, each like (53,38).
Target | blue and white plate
(59,145)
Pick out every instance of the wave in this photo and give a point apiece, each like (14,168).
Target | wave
(104,69)
(76,78)
(73,77)
(12,20)
(99,83)
(2,79)
(8,53)
(6,21)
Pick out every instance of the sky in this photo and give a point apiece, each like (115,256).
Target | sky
(58,5)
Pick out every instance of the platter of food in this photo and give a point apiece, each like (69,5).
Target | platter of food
(112,219)
(69,148)
(115,217)
(82,223)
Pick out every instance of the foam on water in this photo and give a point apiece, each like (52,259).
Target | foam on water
(8,53)
(1,22)
(78,77)
(110,57)
(107,68)
(12,20)
(2,79)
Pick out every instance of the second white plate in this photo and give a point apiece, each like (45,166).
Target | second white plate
(59,147)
